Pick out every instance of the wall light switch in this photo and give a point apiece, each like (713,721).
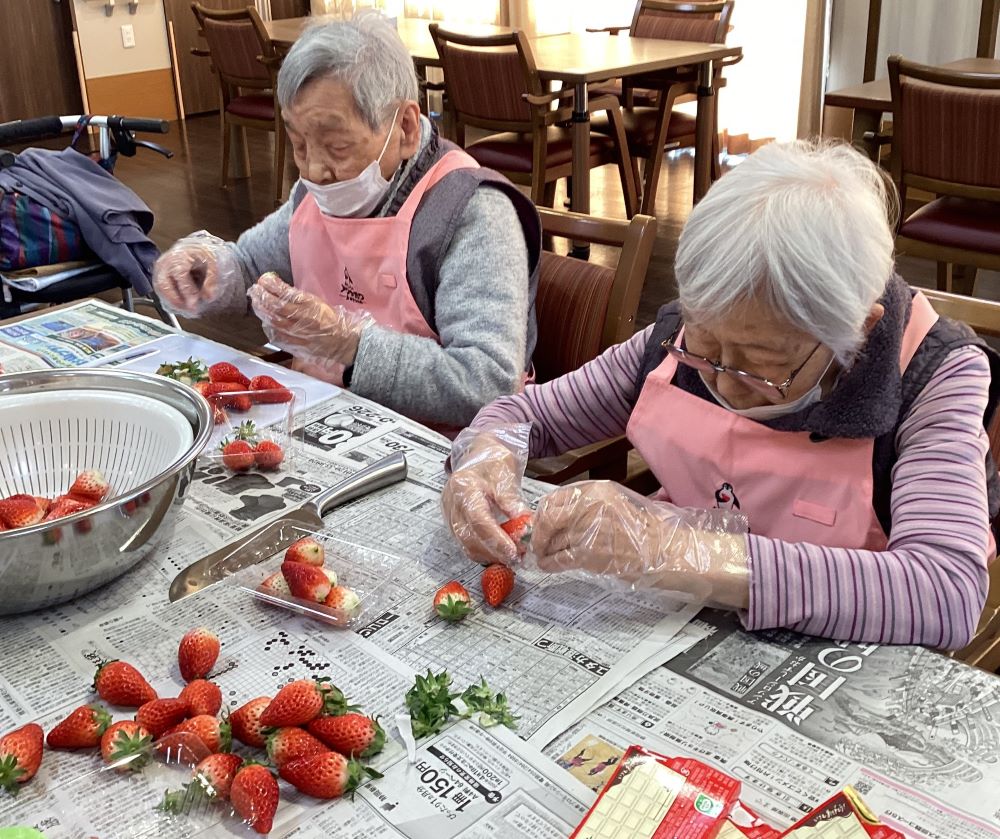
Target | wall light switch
(128,36)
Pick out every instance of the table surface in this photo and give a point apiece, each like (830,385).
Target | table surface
(875,95)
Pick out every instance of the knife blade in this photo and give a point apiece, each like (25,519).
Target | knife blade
(268,539)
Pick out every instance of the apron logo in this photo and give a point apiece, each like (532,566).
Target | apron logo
(725,498)
(349,292)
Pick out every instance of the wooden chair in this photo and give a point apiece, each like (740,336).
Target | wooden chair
(491,82)
(582,309)
(246,64)
(984,317)
(651,123)
(945,127)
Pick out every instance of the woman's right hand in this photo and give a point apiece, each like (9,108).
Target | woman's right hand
(194,273)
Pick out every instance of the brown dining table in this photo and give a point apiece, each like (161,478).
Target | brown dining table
(873,99)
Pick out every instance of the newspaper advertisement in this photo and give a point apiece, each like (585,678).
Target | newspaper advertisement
(796,718)
(75,336)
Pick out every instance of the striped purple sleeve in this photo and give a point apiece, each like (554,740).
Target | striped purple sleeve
(582,407)
(929,585)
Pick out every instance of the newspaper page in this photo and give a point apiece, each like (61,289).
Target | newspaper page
(796,718)
(76,336)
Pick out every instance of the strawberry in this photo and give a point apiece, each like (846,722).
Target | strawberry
(237,454)
(301,701)
(226,372)
(215,735)
(202,697)
(82,729)
(254,796)
(498,583)
(245,722)
(119,683)
(211,780)
(290,743)
(306,550)
(271,391)
(219,416)
(197,653)
(451,601)
(126,745)
(240,402)
(160,715)
(342,599)
(519,529)
(353,735)
(306,581)
(90,484)
(20,756)
(129,507)
(20,511)
(65,505)
(326,775)
(44,504)
(226,394)
(275,585)
(268,454)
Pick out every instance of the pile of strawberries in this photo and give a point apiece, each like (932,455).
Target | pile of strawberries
(303,575)
(245,449)
(224,386)
(309,732)
(88,489)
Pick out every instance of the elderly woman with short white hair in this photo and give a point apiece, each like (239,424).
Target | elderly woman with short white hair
(817,431)
(397,267)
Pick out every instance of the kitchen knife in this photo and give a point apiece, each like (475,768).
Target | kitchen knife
(273,537)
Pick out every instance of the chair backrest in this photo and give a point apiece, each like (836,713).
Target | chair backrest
(488,77)
(670,20)
(582,307)
(945,125)
(238,44)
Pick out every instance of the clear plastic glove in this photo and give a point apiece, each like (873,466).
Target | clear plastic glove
(198,274)
(316,333)
(485,488)
(600,530)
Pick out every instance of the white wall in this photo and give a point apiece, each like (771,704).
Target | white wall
(101,38)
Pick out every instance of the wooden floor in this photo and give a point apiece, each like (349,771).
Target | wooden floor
(185,195)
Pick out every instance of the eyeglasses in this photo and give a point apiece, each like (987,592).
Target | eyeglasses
(757,383)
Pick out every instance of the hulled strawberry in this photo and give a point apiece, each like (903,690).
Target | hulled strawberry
(197,653)
(344,600)
(20,511)
(237,454)
(290,743)
(90,484)
(126,746)
(215,735)
(254,796)
(245,723)
(202,697)
(519,529)
(301,701)
(224,371)
(326,775)
(160,715)
(20,756)
(271,391)
(82,729)
(64,505)
(307,551)
(452,602)
(498,583)
(276,585)
(212,780)
(353,735)
(119,683)
(306,581)
(268,454)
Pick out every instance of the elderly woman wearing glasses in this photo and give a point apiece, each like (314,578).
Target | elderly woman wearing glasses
(797,384)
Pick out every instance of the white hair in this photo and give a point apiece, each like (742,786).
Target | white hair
(804,229)
(364,53)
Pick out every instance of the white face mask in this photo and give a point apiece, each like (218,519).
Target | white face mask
(769,411)
(358,196)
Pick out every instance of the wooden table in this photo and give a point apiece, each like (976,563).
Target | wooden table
(872,99)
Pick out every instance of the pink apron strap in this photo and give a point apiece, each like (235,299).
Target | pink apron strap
(450,162)
(922,318)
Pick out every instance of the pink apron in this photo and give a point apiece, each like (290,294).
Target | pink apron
(788,487)
(360,263)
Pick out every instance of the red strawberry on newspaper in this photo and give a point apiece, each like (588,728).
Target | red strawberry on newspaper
(270,390)
(158,716)
(20,511)
(326,775)
(20,756)
(452,602)
(90,484)
(301,701)
(82,729)
(306,550)
(268,454)
(254,796)
(290,743)
(353,735)
(237,455)
(202,697)
(197,653)
(211,780)
(498,583)
(119,683)
(245,722)
(224,371)
(126,745)
(306,581)
(214,734)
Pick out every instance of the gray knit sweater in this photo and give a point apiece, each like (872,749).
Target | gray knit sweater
(480,311)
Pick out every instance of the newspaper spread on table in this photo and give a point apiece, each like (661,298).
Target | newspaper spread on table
(797,718)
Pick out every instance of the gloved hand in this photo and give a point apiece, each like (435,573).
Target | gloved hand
(599,529)
(316,333)
(487,469)
(198,274)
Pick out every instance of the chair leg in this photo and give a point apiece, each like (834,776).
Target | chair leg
(625,168)
(549,194)
(944,276)
(279,163)
(226,131)
(127,303)
(964,280)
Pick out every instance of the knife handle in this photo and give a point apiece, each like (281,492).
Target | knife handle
(382,473)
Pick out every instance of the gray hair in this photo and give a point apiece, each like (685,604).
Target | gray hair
(364,53)
(803,228)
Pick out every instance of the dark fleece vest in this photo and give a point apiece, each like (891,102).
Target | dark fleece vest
(871,399)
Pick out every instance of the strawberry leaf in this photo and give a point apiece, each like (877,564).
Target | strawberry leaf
(492,708)
(431,703)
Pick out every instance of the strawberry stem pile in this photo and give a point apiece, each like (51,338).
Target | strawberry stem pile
(304,576)
(431,703)
(88,489)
